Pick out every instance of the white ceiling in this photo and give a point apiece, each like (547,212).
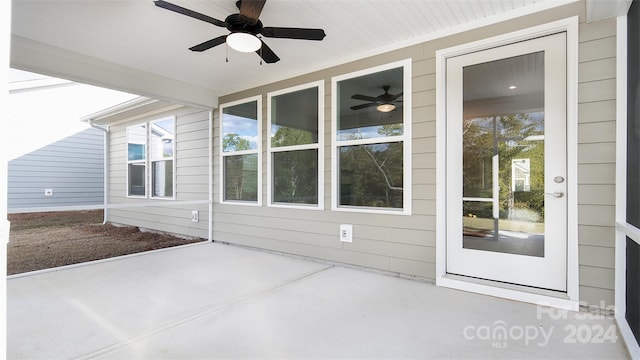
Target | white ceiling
(134,46)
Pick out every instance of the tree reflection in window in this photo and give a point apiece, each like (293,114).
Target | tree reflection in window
(372,175)
(509,136)
(370,143)
(240,133)
(294,145)
(241,176)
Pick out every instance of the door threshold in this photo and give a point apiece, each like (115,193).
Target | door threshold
(516,287)
(541,297)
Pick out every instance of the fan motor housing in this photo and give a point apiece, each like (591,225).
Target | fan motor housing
(239,23)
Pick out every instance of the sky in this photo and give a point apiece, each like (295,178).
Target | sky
(43,110)
(246,128)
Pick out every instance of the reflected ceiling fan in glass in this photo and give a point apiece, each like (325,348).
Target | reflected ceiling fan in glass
(383,103)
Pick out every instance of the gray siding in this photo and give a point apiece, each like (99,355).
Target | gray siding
(395,243)
(72,167)
(406,244)
(192,177)
(402,244)
(596,160)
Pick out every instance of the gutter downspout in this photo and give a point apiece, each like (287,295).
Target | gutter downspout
(106,168)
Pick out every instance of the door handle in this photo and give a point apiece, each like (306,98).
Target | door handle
(557,194)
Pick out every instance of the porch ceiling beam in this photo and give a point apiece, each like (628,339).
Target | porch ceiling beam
(30,55)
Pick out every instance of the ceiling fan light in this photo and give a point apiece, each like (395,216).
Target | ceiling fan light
(385,107)
(244,42)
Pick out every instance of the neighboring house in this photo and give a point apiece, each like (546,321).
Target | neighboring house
(493,163)
(68,172)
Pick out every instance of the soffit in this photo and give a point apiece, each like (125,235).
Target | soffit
(137,47)
(600,9)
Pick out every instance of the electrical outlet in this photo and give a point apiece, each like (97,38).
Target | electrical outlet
(195,216)
(346,233)
(48,192)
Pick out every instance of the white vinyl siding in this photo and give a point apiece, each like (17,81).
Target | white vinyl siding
(191,161)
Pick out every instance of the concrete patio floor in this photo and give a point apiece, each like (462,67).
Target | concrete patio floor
(219,301)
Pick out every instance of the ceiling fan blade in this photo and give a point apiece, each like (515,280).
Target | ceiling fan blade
(363,97)
(184,11)
(267,54)
(363,106)
(251,9)
(396,96)
(209,44)
(293,33)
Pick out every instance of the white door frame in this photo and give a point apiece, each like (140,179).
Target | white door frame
(548,270)
(571,299)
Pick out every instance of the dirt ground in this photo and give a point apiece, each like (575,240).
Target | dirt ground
(51,239)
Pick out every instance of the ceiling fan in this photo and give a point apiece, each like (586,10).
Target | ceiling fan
(383,103)
(245,28)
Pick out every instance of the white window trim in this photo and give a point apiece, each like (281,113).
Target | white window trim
(571,302)
(148,192)
(173,158)
(405,138)
(319,146)
(145,161)
(258,202)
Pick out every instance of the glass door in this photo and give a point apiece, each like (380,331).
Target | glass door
(506,163)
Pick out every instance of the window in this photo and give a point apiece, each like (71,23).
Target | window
(371,140)
(161,150)
(295,131)
(240,148)
(151,146)
(137,160)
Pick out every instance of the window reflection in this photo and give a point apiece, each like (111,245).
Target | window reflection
(241,177)
(294,118)
(370,140)
(359,99)
(503,155)
(161,148)
(372,175)
(295,176)
(240,127)
(136,142)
